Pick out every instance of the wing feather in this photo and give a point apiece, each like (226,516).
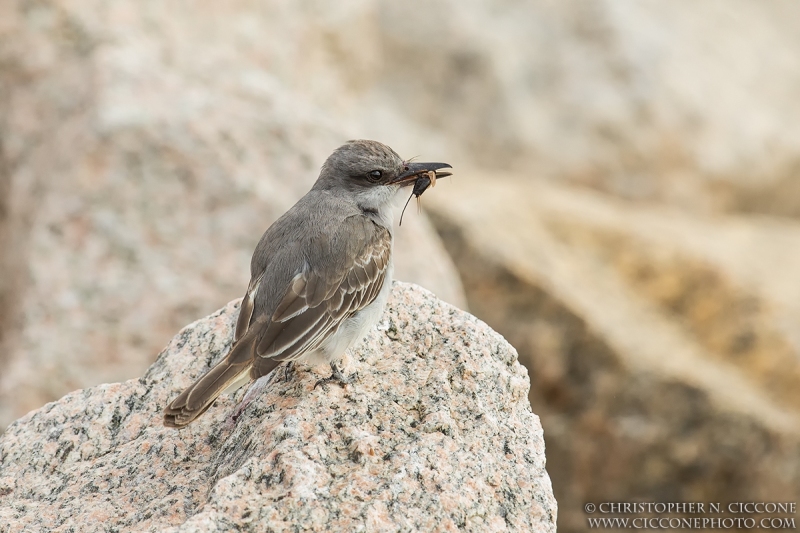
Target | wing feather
(317,302)
(246,309)
(317,291)
(336,302)
(293,302)
(348,302)
(279,336)
(361,275)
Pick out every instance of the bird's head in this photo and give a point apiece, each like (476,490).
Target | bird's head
(371,172)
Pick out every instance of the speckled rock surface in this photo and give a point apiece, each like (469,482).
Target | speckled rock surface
(436,435)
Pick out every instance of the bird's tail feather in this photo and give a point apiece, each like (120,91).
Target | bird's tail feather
(199,396)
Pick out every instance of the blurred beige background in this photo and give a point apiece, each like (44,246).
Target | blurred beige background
(624,208)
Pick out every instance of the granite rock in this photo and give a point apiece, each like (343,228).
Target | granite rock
(435,435)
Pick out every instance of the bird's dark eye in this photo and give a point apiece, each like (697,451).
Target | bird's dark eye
(374,175)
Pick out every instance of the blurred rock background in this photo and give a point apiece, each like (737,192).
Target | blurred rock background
(625,207)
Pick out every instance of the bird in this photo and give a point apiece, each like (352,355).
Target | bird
(320,275)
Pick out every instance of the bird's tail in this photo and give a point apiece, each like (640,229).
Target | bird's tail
(199,396)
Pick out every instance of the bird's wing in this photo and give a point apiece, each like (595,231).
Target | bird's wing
(245,319)
(344,274)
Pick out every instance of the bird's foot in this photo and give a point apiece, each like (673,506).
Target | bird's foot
(336,377)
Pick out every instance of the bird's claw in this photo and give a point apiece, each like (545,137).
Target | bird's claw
(336,377)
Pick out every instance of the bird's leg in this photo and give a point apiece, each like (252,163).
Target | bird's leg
(288,370)
(337,377)
(255,389)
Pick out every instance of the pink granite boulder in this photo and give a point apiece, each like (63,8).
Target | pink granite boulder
(435,435)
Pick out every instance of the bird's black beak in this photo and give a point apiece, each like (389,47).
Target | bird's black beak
(412,171)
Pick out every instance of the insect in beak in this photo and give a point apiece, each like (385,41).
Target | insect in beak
(421,184)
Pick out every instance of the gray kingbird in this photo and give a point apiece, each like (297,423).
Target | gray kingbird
(320,275)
